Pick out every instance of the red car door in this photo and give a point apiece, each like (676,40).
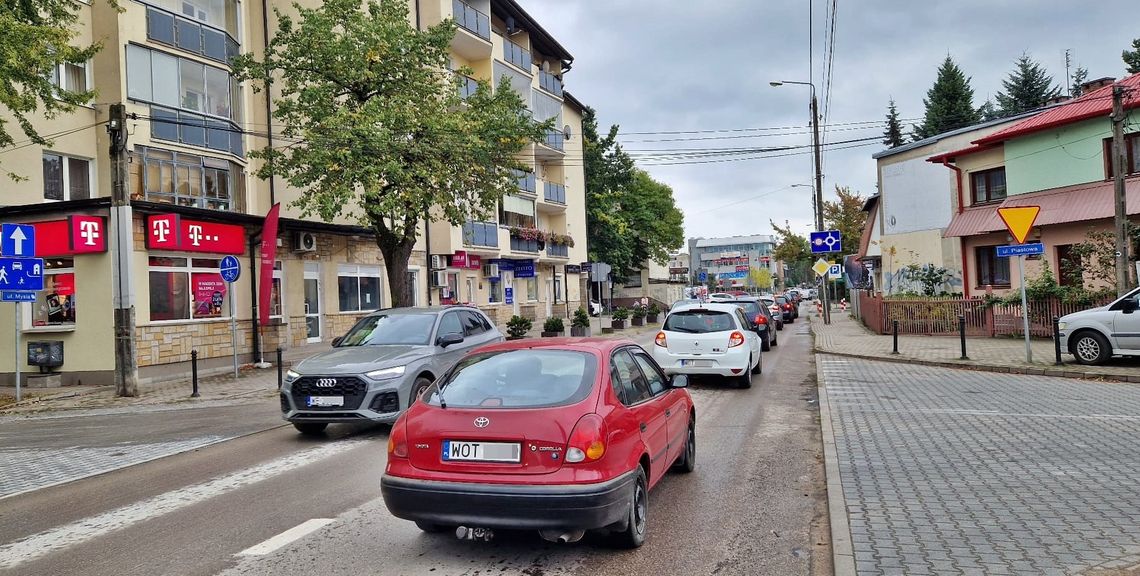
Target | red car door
(672,401)
(649,413)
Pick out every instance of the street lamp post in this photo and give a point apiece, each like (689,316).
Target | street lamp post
(818,198)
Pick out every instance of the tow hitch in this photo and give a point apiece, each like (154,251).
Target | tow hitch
(468,533)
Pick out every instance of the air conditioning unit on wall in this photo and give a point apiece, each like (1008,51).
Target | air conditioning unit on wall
(438,261)
(305,242)
(439,279)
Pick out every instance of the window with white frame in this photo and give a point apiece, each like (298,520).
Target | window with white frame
(532,289)
(185,288)
(55,305)
(358,287)
(71,77)
(276,303)
(66,177)
(414,286)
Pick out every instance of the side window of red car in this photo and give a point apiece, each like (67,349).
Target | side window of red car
(626,373)
(653,376)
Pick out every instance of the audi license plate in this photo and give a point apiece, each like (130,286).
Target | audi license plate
(319,401)
(455,450)
(697,363)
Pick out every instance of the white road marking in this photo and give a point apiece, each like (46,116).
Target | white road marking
(61,537)
(287,537)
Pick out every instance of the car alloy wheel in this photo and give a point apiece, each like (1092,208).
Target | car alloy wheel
(1091,348)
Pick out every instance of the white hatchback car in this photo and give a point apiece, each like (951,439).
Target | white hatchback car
(1096,335)
(709,338)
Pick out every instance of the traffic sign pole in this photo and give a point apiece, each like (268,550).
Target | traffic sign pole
(16,354)
(233,326)
(1024,310)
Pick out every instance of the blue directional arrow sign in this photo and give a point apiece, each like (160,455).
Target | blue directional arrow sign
(1020,250)
(17,240)
(22,274)
(826,241)
(230,269)
(17,296)
(702,276)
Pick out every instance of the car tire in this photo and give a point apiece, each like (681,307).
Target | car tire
(1090,348)
(687,461)
(766,342)
(430,527)
(418,388)
(779,326)
(311,428)
(637,519)
(775,340)
(759,367)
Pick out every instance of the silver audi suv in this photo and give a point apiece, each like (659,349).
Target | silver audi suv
(387,359)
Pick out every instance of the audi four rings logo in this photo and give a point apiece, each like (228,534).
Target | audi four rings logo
(326,382)
(482,422)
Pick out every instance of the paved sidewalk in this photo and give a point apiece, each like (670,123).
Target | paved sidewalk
(846,336)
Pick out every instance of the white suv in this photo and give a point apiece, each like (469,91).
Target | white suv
(709,338)
(1096,335)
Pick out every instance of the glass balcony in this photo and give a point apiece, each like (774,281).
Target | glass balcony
(471,19)
(190,35)
(554,192)
(527,181)
(550,83)
(520,245)
(560,250)
(556,140)
(516,55)
(481,234)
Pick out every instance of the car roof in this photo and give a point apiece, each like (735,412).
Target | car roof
(590,345)
(714,306)
(747,299)
(422,310)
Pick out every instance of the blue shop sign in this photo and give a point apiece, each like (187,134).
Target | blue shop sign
(524,268)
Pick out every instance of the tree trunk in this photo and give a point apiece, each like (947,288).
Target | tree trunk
(397,255)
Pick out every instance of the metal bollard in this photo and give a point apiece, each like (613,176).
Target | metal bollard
(895,327)
(194,372)
(962,335)
(280,370)
(1057,340)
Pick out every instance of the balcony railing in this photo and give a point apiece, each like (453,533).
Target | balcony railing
(471,19)
(481,234)
(195,130)
(467,86)
(527,181)
(550,83)
(521,245)
(554,193)
(189,35)
(556,140)
(516,55)
(560,250)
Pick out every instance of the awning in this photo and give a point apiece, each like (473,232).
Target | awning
(1079,203)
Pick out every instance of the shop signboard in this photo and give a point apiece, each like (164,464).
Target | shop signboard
(524,268)
(171,232)
(466,261)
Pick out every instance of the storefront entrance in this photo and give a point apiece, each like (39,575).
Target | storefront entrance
(313,301)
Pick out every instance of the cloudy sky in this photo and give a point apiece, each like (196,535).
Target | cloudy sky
(681,65)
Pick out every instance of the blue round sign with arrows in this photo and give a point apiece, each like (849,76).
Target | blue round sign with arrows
(230,269)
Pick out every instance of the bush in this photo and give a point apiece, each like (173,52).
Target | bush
(553,324)
(621,314)
(581,319)
(654,309)
(517,326)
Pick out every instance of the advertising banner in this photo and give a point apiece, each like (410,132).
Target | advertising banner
(209,291)
(268,256)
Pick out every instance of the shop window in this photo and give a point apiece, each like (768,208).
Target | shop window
(276,304)
(495,291)
(185,179)
(358,288)
(55,305)
(988,185)
(992,271)
(66,178)
(182,289)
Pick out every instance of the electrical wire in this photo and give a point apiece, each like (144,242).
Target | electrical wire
(68,132)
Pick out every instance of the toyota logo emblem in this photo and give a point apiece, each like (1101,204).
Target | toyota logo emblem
(326,382)
(482,422)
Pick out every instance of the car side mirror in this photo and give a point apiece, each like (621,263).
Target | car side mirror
(336,341)
(1128,306)
(449,339)
(679,381)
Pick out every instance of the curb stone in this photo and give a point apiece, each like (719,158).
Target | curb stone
(842,549)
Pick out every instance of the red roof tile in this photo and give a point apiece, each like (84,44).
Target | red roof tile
(1079,203)
(1094,104)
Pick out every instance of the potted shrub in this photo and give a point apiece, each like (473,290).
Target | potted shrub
(638,315)
(619,317)
(517,327)
(580,325)
(652,313)
(553,327)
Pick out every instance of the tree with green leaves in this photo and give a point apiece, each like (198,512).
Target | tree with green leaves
(892,135)
(793,250)
(846,214)
(1080,75)
(1027,87)
(1132,57)
(377,129)
(652,214)
(760,278)
(988,111)
(949,102)
(36,40)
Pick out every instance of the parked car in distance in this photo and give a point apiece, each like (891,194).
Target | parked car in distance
(721,297)
(786,309)
(685,301)
(383,363)
(1094,336)
(761,317)
(793,298)
(709,339)
(553,435)
(775,310)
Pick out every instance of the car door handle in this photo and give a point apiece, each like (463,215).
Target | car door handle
(667,413)
(643,426)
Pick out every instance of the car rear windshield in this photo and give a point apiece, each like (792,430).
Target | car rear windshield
(752,309)
(699,322)
(781,300)
(517,379)
(388,329)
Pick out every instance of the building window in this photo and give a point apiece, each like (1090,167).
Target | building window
(66,178)
(992,271)
(494,291)
(158,78)
(988,185)
(55,306)
(207,28)
(184,179)
(70,77)
(414,286)
(1131,155)
(186,289)
(531,289)
(1069,266)
(517,211)
(276,303)
(358,288)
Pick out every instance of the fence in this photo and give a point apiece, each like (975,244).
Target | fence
(939,316)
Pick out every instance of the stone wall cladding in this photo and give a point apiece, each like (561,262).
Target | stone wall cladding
(169,343)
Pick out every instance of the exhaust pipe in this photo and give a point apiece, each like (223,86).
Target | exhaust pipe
(468,533)
(561,536)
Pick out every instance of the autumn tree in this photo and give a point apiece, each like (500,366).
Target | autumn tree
(36,40)
(760,278)
(846,214)
(377,129)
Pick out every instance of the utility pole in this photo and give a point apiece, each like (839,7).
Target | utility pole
(819,196)
(1118,169)
(122,229)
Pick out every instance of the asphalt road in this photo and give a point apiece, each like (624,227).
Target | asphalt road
(302,506)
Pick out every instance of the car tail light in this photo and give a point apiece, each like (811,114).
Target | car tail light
(787,306)
(761,319)
(398,440)
(587,441)
(735,339)
(660,340)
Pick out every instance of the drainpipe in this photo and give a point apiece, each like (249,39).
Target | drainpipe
(962,243)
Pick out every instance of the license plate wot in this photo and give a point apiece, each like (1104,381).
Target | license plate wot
(326,400)
(462,451)
(697,363)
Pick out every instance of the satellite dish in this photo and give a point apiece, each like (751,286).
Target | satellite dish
(567,132)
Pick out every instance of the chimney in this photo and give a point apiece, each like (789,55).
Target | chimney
(1098,83)
(1057,100)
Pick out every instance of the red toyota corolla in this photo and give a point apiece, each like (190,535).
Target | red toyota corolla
(555,435)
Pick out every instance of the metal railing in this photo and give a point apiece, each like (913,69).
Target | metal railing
(521,245)
(556,140)
(554,192)
(940,316)
(560,250)
(471,19)
(516,55)
(550,83)
(481,234)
